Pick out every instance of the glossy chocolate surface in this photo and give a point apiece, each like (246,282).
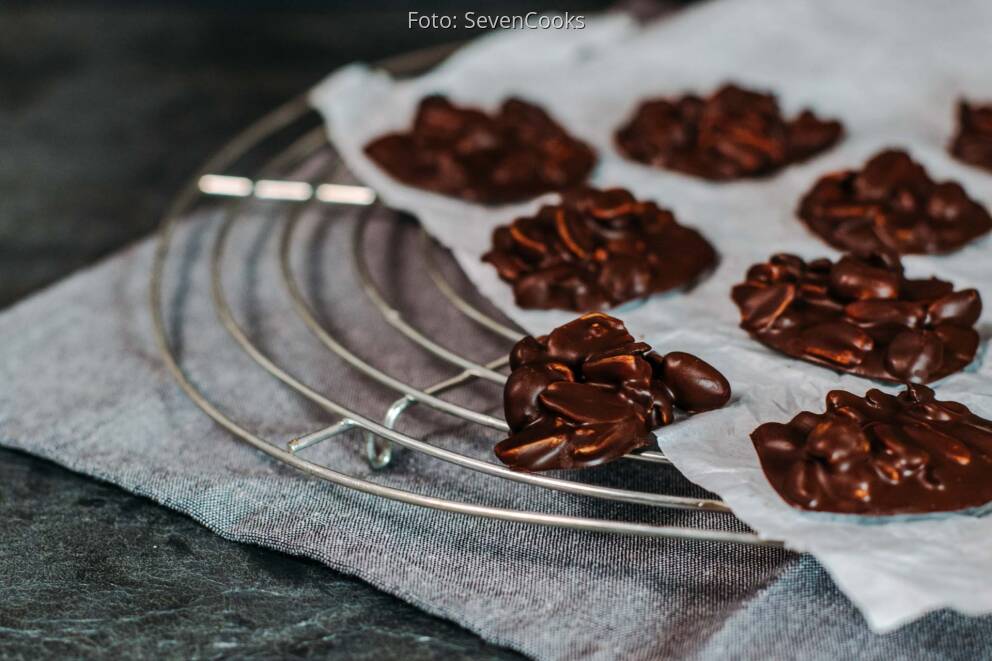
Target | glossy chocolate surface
(589,393)
(893,204)
(597,249)
(733,134)
(973,141)
(513,155)
(880,454)
(860,315)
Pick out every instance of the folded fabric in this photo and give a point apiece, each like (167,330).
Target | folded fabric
(84,387)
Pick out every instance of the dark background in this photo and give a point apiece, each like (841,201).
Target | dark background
(105,108)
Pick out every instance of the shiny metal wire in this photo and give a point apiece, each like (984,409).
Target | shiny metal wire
(381,436)
(239,335)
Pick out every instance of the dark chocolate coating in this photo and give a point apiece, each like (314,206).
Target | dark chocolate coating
(588,393)
(513,155)
(597,249)
(860,315)
(892,204)
(973,141)
(880,454)
(733,134)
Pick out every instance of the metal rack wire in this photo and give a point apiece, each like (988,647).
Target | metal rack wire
(381,437)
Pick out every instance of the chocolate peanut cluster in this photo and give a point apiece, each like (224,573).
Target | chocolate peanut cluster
(589,393)
(892,204)
(973,141)
(733,134)
(516,154)
(880,454)
(860,315)
(597,249)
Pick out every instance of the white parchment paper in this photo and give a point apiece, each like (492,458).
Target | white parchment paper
(892,71)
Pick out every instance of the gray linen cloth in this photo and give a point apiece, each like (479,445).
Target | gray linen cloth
(84,386)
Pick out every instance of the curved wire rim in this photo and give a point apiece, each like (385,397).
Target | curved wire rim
(471,369)
(395,318)
(239,335)
(185,201)
(309,317)
(427,245)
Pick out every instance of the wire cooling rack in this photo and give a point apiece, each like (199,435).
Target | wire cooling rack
(297,136)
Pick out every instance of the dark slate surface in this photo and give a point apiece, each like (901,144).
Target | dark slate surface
(88,570)
(103,112)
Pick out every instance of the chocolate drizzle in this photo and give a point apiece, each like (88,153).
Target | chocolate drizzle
(973,141)
(597,249)
(892,204)
(860,315)
(733,134)
(589,393)
(513,155)
(880,454)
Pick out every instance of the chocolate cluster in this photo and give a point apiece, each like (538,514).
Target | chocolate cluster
(860,315)
(880,454)
(733,134)
(973,141)
(892,203)
(515,154)
(588,393)
(597,249)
